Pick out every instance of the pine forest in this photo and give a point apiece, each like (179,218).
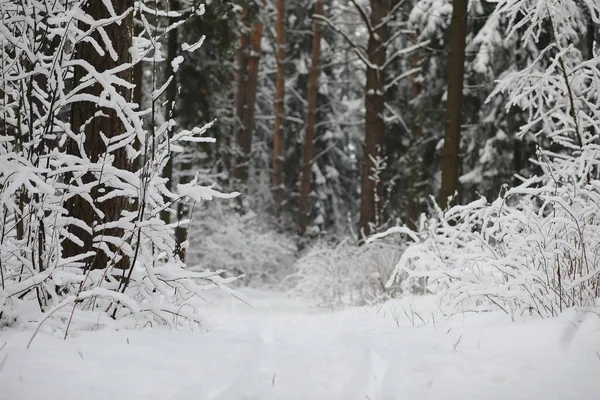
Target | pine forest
(299,199)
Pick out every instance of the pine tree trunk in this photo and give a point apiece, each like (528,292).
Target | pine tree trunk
(86,118)
(170,97)
(591,39)
(456,67)
(278,134)
(415,164)
(138,79)
(240,100)
(371,198)
(591,36)
(183,210)
(313,90)
(138,98)
(248,83)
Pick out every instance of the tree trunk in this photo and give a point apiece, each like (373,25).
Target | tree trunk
(240,100)
(278,134)
(248,83)
(138,98)
(138,79)
(91,120)
(313,90)
(456,67)
(183,210)
(592,29)
(171,96)
(371,198)
(415,164)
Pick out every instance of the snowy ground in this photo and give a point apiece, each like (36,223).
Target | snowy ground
(283,349)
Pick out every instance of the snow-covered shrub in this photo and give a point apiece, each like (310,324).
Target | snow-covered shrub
(535,248)
(221,238)
(346,274)
(49,180)
(517,257)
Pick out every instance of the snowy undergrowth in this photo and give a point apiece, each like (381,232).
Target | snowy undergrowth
(485,256)
(82,239)
(245,245)
(346,274)
(536,248)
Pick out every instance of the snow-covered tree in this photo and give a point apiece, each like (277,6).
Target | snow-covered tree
(81,183)
(535,247)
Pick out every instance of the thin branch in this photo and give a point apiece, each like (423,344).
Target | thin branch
(402,76)
(359,50)
(363,16)
(390,15)
(404,52)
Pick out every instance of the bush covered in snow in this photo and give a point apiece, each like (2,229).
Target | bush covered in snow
(518,257)
(221,238)
(536,248)
(81,197)
(346,274)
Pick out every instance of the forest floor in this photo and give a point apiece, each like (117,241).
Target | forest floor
(285,349)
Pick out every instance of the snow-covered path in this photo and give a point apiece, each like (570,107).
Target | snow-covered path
(282,349)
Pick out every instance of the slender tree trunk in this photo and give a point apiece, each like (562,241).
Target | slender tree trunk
(456,67)
(183,211)
(313,89)
(371,198)
(414,196)
(278,134)
(138,98)
(247,96)
(240,100)
(591,35)
(185,166)
(138,79)
(171,96)
(138,69)
(87,118)
(592,29)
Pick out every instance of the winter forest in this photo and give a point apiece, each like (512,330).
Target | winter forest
(299,199)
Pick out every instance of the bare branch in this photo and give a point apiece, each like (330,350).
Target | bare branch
(402,76)
(390,15)
(404,52)
(398,33)
(358,49)
(363,16)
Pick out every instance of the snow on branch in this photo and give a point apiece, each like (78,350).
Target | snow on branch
(81,196)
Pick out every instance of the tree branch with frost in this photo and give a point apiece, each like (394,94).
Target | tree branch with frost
(389,15)
(364,17)
(358,49)
(404,52)
(34,189)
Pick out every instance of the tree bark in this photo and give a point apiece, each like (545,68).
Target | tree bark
(591,36)
(170,97)
(414,195)
(92,120)
(371,198)
(313,90)
(249,56)
(138,98)
(183,211)
(456,67)
(278,134)
(240,100)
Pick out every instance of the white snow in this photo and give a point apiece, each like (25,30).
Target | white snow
(284,349)
(193,47)
(176,63)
